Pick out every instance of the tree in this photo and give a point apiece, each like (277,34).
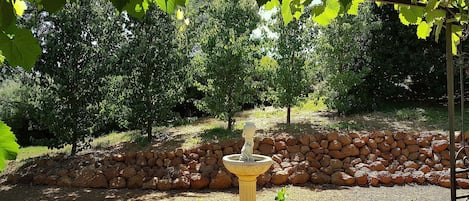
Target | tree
(77,46)
(343,59)
(227,53)
(156,73)
(290,77)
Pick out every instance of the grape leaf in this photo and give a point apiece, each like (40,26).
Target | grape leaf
(456,32)
(20,50)
(7,15)
(167,6)
(423,30)
(2,58)
(410,14)
(19,7)
(331,11)
(52,6)
(434,15)
(8,146)
(286,12)
(272,4)
(354,7)
(137,8)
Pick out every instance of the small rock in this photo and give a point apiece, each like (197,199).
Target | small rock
(342,178)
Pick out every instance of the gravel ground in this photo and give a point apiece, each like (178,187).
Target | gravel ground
(306,193)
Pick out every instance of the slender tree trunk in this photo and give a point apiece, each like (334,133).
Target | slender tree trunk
(74,144)
(149,130)
(230,122)
(288,114)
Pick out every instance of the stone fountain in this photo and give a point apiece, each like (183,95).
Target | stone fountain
(247,166)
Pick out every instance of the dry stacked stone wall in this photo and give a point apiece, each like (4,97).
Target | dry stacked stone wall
(364,159)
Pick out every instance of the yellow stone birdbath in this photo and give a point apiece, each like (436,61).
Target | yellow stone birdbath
(247,166)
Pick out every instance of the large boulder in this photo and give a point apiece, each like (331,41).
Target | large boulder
(320,178)
(439,145)
(198,181)
(342,178)
(221,181)
(279,177)
(299,177)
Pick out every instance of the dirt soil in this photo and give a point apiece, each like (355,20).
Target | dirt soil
(306,193)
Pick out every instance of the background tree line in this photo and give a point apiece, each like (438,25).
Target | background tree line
(111,72)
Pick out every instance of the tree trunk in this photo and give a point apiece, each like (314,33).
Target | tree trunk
(149,130)
(230,123)
(288,114)
(74,146)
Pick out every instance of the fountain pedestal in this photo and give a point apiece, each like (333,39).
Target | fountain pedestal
(247,173)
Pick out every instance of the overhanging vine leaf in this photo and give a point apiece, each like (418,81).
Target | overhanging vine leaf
(8,146)
(20,49)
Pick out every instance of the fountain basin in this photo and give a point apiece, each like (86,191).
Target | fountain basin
(247,168)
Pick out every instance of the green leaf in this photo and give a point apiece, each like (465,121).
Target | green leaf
(167,6)
(423,30)
(286,12)
(137,8)
(434,15)
(119,4)
(8,146)
(456,32)
(331,11)
(410,14)
(2,58)
(432,4)
(354,7)
(296,7)
(20,50)
(19,6)
(52,6)
(7,15)
(272,4)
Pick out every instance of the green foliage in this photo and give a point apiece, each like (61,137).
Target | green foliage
(156,71)
(282,195)
(20,48)
(227,57)
(71,69)
(218,134)
(343,61)
(8,146)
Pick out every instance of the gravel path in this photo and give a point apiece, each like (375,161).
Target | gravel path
(307,193)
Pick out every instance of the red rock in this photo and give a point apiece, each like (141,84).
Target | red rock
(365,151)
(128,172)
(164,184)
(264,179)
(298,178)
(413,148)
(373,178)
(342,178)
(344,139)
(198,181)
(118,182)
(181,183)
(418,177)
(432,177)
(377,166)
(280,145)
(398,178)
(135,181)
(422,142)
(118,157)
(98,181)
(439,145)
(399,135)
(320,178)
(336,164)
(305,139)
(314,145)
(409,140)
(425,169)
(411,164)
(350,150)
(293,149)
(291,141)
(268,140)
(463,183)
(325,161)
(335,145)
(361,178)
(444,181)
(332,136)
(358,142)
(324,144)
(385,177)
(221,181)
(266,149)
(384,147)
(279,177)
(150,184)
(337,154)
(64,181)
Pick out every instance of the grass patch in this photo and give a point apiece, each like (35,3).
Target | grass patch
(36,151)
(112,139)
(312,105)
(216,134)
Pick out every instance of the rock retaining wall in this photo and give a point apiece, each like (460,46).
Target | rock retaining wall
(377,158)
